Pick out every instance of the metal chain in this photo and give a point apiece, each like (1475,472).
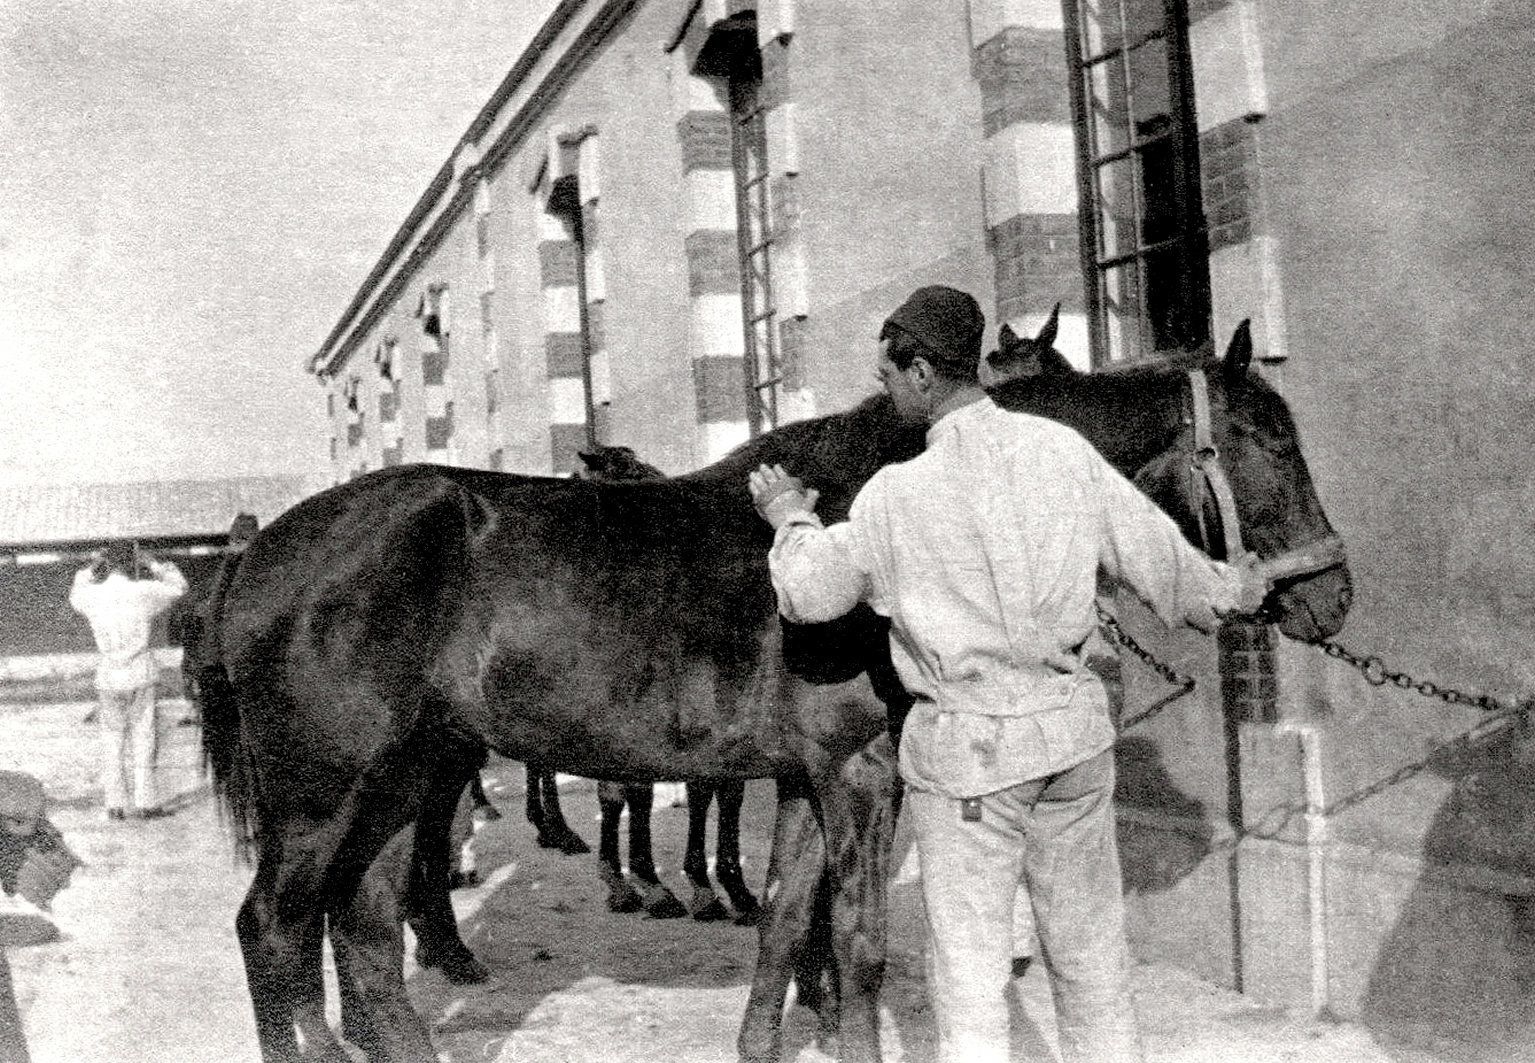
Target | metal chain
(1119,636)
(1377,674)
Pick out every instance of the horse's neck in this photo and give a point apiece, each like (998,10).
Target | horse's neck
(1129,423)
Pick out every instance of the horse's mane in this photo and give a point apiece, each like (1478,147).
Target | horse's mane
(795,444)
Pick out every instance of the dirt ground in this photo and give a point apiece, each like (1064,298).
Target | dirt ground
(148,968)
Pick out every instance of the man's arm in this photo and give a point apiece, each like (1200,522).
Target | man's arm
(1142,546)
(168,583)
(816,571)
(80,590)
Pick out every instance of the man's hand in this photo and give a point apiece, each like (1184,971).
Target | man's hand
(1255,585)
(779,496)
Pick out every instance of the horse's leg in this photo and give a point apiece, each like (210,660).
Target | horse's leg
(438,943)
(369,947)
(534,805)
(727,852)
(483,806)
(794,878)
(856,815)
(660,902)
(281,926)
(706,903)
(622,897)
(553,831)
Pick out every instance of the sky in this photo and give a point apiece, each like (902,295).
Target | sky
(190,193)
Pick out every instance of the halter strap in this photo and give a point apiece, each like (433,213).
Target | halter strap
(1206,471)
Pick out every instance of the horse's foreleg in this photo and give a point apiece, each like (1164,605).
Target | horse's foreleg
(727,852)
(794,876)
(553,831)
(622,897)
(856,815)
(660,902)
(706,905)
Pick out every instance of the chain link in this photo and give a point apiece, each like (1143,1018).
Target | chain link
(1375,672)
(1120,637)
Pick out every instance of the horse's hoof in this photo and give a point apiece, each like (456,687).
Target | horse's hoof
(712,912)
(566,841)
(459,967)
(667,907)
(465,970)
(623,898)
(460,879)
(749,916)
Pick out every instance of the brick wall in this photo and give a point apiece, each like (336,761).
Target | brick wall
(1037,264)
(1229,161)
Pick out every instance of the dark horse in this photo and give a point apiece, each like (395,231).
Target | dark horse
(614,464)
(1146,422)
(377,635)
(624,631)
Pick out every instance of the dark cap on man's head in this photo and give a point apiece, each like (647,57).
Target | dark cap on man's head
(948,322)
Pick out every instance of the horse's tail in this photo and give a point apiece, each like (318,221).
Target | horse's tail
(224,753)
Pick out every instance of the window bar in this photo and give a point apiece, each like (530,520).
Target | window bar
(755,242)
(1194,268)
(1087,214)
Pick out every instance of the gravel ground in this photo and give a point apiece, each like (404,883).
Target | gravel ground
(148,968)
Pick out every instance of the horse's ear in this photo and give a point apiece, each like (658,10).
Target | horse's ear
(594,460)
(1239,355)
(1046,335)
(1007,337)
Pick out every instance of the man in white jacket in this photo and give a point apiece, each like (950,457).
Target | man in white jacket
(984,552)
(121,610)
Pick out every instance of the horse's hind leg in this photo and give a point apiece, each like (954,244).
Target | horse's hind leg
(281,926)
(370,950)
(794,877)
(659,902)
(438,943)
(706,905)
(553,831)
(727,852)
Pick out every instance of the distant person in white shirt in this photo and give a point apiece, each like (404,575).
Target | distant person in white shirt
(984,552)
(121,609)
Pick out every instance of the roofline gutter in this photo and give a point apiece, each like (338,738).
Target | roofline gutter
(342,339)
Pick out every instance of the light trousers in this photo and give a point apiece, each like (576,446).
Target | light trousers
(1053,837)
(130,726)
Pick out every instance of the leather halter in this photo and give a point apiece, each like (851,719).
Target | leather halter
(1207,474)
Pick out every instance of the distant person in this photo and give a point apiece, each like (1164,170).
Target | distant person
(121,609)
(34,865)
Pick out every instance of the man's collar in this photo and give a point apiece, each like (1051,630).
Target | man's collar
(953,403)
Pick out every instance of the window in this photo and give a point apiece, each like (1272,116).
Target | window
(1144,248)
(565,203)
(733,56)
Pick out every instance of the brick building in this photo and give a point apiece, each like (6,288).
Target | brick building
(676,223)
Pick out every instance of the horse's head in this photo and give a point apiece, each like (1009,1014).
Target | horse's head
(607,464)
(1248,441)
(1018,357)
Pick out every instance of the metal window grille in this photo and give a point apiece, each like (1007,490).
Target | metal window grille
(1144,248)
(748,153)
(565,203)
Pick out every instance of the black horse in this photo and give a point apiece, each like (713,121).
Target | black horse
(622,631)
(1147,422)
(613,464)
(376,636)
